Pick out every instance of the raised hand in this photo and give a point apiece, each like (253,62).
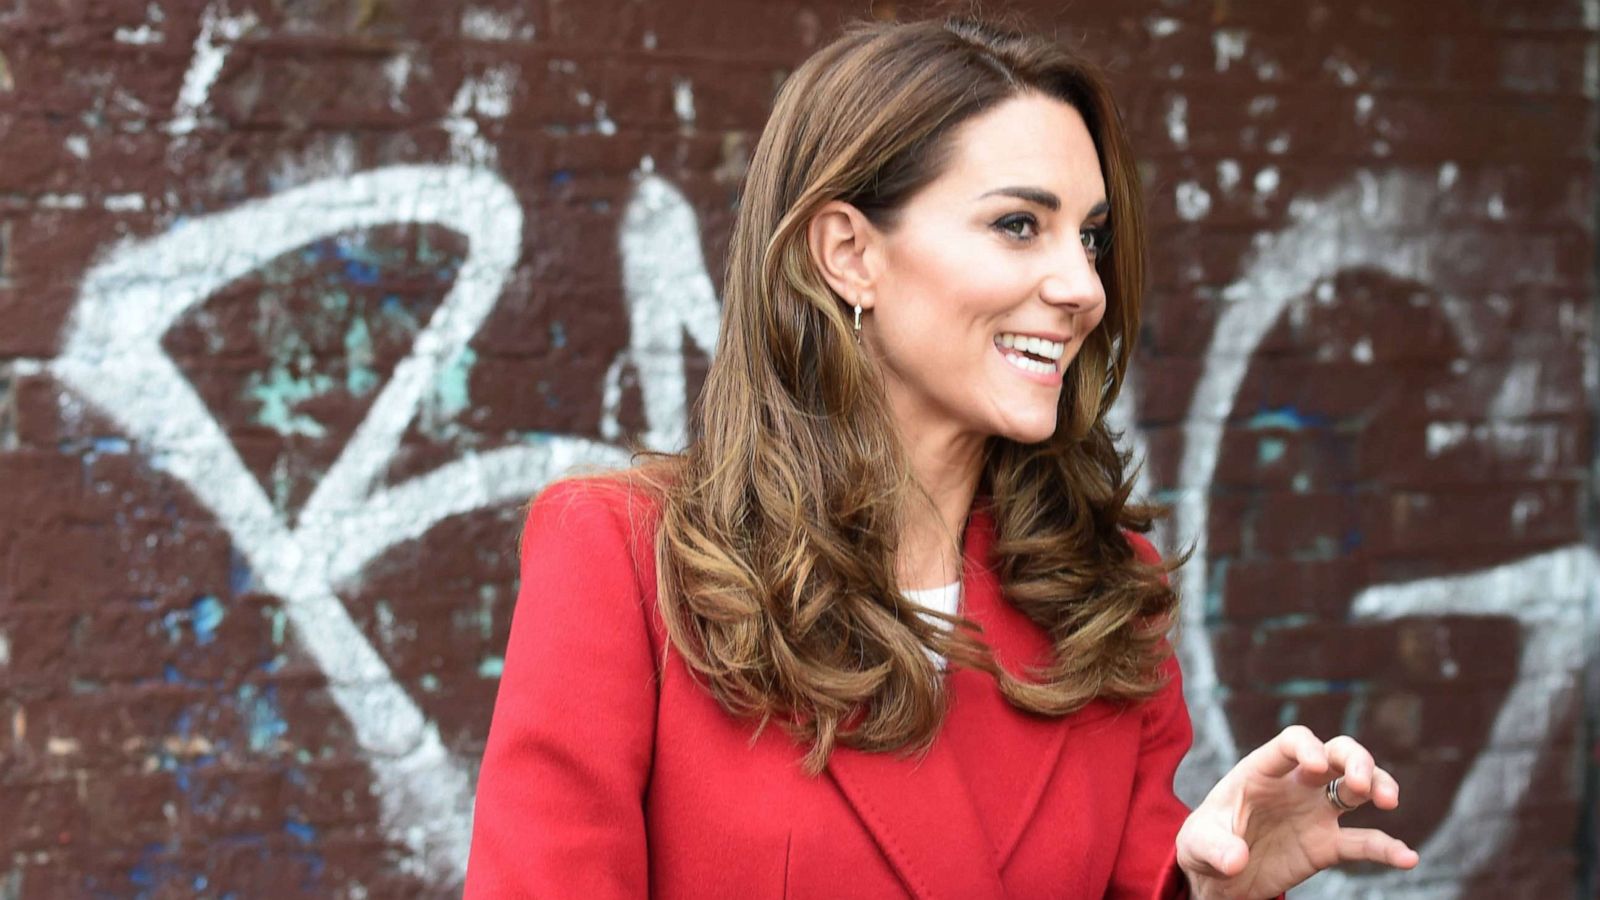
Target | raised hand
(1273,821)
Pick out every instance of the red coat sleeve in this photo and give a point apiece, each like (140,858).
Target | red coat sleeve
(560,808)
(1147,860)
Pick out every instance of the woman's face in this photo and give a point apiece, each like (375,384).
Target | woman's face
(985,286)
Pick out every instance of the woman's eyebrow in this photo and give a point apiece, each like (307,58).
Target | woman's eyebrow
(1039,196)
(1043,198)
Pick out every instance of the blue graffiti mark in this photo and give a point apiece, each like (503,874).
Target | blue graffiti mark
(205,614)
(558,334)
(392,307)
(172,624)
(241,578)
(1285,417)
(1351,539)
(1270,450)
(361,272)
(300,831)
(150,869)
(314,862)
(560,177)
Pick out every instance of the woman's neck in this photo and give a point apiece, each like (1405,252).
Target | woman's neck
(948,468)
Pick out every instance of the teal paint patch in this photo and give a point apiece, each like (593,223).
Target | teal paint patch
(1354,713)
(1216,578)
(491,667)
(429,682)
(450,391)
(1304,687)
(279,392)
(262,717)
(360,378)
(397,316)
(1287,620)
(486,598)
(385,623)
(1270,450)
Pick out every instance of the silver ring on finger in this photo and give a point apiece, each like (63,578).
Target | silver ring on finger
(1333,796)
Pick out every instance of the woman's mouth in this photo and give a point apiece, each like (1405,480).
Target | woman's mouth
(1035,356)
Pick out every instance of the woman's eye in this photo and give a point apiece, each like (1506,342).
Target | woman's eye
(1095,240)
(1020,226)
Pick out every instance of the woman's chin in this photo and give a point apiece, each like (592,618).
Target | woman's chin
(1030,432)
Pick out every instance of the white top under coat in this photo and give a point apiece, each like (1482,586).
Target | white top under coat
(945,599)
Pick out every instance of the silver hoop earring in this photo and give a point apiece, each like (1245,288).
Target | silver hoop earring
(858,323)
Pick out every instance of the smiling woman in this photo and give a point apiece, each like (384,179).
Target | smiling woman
(901,533)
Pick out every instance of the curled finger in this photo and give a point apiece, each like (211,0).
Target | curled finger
(1347,757)
(1385,789)
(1293,747)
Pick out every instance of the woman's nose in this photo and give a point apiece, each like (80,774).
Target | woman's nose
(1074,282)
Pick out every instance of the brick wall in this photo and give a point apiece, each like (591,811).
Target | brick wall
(300,300)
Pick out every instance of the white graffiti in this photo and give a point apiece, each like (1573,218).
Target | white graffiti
(113,357)
(1547,593)
(205,65)
(668,295)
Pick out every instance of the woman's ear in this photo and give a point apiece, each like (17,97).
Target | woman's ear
(842,243)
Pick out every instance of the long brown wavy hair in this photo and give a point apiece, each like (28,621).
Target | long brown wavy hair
(780,522)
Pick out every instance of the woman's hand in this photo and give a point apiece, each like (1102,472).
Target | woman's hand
(1269,824)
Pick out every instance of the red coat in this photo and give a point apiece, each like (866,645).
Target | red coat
(609,773)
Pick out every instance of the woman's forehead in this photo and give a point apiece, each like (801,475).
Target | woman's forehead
(1027,141)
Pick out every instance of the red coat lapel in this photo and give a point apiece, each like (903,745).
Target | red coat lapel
(971,797)
(921,812)
(1008,756)
(922,818)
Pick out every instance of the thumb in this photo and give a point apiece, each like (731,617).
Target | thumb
(1213,851)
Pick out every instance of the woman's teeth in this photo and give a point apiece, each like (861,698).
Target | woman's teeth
(1018,344)
(1036,346)
(1029,365)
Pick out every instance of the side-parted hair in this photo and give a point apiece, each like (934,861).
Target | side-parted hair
(780,521)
